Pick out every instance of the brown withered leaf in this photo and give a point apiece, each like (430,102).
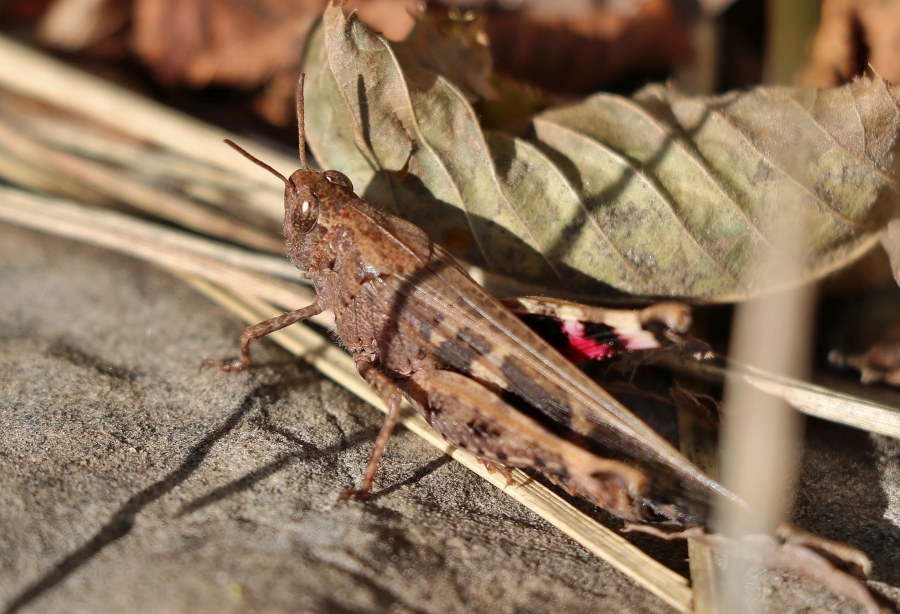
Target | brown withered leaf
(852,36)
(393,19)
(455,46)
(880,363)
(23,11)
(208,41)
(98,26)
(579,46)
(659,194)
(245,43)
(199,42)
(890,241)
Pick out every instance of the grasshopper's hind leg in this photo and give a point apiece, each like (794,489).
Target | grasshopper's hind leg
(391,395)
(471,416)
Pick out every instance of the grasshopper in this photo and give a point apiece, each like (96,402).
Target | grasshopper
(419,327)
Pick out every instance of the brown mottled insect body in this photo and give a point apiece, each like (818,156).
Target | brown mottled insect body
(419,326)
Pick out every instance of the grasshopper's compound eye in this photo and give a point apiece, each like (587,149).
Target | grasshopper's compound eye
(339,178)
(302,209)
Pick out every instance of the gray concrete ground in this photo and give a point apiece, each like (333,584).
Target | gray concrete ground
(131,481)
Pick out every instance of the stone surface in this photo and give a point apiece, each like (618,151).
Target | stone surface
(130,480)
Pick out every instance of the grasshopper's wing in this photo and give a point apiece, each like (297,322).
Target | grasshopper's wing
(475,334)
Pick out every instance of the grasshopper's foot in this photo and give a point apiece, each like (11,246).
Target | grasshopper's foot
(352,493)
(231,366)
(495,467)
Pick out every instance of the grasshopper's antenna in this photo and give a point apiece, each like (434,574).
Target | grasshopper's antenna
(257,161)
(301,126)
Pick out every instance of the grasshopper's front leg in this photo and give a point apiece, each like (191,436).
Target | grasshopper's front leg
(471,416)
(258,331)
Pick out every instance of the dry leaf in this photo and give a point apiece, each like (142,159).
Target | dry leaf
(891,243)
(77,25)
(853,35)
(244,43)
(252,43)
(658,194)
(209,41)
(579,46)
(881,363)
(393,19)
(22,11)
(456,46)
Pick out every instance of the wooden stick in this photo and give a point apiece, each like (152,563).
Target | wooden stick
(120,186)
(811,399)
(34,74)
(70,134)
(229,266)
(16,169)
(699,448)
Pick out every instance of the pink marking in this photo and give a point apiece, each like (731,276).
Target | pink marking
(637,339)
(581,348)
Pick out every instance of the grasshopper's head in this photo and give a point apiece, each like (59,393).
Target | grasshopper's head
(312,198)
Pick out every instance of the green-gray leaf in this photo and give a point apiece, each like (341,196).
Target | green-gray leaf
(658,194)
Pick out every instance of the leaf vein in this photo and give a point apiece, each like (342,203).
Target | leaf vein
(861,160)
(493,170)
(694,156)
(654,187)
(438,160)
(642,279)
